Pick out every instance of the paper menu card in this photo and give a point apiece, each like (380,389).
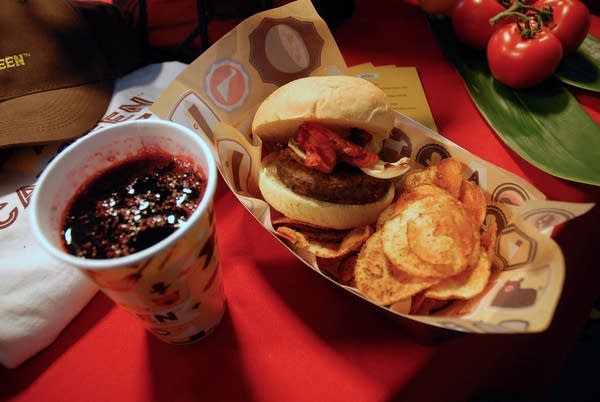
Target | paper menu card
(219,92)
(403,87)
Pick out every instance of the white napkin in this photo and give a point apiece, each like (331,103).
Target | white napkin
(39,295)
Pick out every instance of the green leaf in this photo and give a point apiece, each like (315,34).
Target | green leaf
(581,69)
(545,125)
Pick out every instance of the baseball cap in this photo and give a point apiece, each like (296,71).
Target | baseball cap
(56,73)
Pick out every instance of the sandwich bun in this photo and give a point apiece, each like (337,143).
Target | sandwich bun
(345,197)
(337,101)
(315,212)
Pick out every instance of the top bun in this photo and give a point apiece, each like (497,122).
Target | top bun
(336,101)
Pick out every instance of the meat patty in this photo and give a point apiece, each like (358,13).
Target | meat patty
(344,185)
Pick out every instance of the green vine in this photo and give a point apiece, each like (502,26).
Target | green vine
(529,19)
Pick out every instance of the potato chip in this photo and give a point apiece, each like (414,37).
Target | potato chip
(351,241)
(430,236)
(427,306)
(408,197)
(446,174)
(402,306)
(341,269)
(465,285)
(310,232)
(376,281)
(473,200)
(427,250)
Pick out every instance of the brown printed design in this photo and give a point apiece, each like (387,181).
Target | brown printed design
(9,216)
(515,248)
(430,154)
(237,166)
(284,49)
(193,112)
(9,213)
(510,193)
(199,122)
(397,146)
(512,295)
(547,217)
(495,214)
(128,111)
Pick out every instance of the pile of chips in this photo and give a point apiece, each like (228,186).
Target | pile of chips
(429,247)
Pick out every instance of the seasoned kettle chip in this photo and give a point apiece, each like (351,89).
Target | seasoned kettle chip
(473,200)
(430,236)
(408,197)
(446,174)
(351,241)
(378,282)
(341,268)
(405,199)
(427,306)
(402,306)
(466,284)
(311,232)
(432,247)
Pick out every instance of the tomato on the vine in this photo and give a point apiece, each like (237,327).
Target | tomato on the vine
(470,21)
(570,22)
(520,62)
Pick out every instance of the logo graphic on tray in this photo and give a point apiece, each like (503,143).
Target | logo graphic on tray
(510,193)
(496,214)
(431,154)
(515,248)
(284,49)
(191,111)
(547,217)
(504,326)
(237,166)
(513,295)
(227,84)
(398,145)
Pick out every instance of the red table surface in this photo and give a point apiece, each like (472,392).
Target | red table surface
(291,335)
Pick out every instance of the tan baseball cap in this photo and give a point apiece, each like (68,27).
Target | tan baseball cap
(56,80)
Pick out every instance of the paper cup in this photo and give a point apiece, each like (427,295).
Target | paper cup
(173,287)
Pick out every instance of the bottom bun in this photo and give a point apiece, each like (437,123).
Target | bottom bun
(316,212)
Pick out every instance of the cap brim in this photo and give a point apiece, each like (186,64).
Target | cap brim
(61,114)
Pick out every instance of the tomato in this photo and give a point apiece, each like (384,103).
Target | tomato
(522,63)
(570,22)
(437,6)
(470,21)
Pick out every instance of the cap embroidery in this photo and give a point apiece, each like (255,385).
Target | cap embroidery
(14,61)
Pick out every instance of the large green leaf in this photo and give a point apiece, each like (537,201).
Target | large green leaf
(545,125)
(582,69)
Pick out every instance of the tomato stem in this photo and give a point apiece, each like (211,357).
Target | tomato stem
(529,19)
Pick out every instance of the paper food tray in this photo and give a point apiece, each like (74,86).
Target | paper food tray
(217,96)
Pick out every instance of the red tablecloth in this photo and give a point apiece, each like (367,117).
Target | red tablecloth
(290,335)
